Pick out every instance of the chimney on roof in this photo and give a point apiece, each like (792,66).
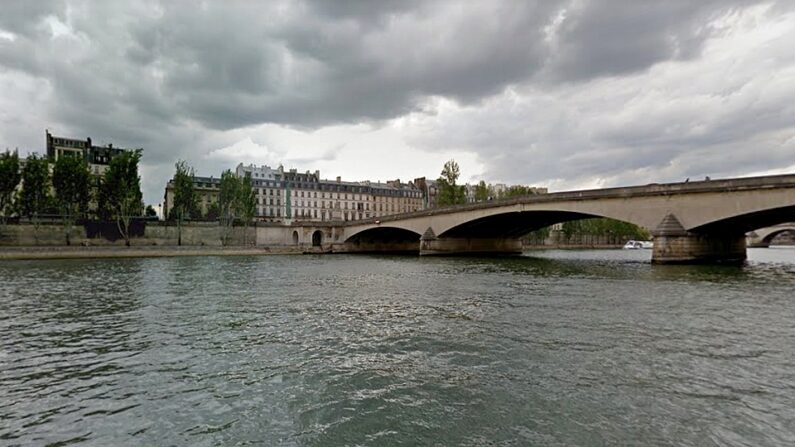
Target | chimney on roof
(339,179)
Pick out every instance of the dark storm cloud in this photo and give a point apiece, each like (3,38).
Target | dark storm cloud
(22,17)
(321,63)
(612,37)
(173,76)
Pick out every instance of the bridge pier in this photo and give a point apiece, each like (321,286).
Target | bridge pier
(699,249)
(463,246)
(675,245)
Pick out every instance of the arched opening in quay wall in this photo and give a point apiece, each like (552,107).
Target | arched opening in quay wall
(317,238)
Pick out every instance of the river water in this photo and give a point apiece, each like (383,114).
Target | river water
(553,348)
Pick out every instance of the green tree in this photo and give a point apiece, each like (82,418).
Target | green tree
(450,193)
(71,180)
(247,204)
(185,197)
(34,198)
(229,202)
(483,192)
(150,211)
(213,211)
(120,197)
(610,230)
(537,237)
(518,191)
(9,179)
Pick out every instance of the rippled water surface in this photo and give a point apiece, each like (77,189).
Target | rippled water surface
(554,348)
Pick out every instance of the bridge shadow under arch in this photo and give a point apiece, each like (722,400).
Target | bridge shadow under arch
(385,239)
(744,223)
(512,225)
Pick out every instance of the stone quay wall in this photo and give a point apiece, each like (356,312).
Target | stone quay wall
(195,234)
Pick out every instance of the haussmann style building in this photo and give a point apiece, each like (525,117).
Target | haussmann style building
(97,157)
(292,195)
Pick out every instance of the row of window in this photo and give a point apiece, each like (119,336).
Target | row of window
(336,188)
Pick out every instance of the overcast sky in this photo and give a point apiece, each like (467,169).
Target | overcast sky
(564,94)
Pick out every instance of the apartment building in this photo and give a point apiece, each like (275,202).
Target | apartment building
(207,190)
(291,195)
(97,157)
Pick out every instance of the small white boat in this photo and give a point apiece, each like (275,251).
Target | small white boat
(637,245)
(632,245)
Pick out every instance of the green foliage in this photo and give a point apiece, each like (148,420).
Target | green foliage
(229,195)
(610,228)
(449,192)
(35,195)
(236,200)
(517,191)
(72,183)
(483,192)
(213,211)
(229,201)
(247,200)
(538,237)
(150,211)
(9,179)
(120,197)
(186,200)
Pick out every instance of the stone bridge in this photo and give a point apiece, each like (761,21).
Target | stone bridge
(703,221)
(762,237)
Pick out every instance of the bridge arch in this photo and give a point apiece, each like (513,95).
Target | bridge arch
(742,223)
(763,237)
(386,232)
(772,235)
(384,239)
(511,224)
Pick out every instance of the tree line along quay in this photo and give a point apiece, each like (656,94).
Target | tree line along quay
(93,194)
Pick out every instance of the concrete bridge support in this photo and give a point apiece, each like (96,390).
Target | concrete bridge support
(464,246)
(675,245)
(698,249)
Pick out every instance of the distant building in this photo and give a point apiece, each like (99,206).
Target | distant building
(429,189)
(499,189)
(97,157)
(292,195)
(207,190)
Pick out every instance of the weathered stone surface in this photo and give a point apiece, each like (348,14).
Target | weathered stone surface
(670,226)
(695,249)
(456,246)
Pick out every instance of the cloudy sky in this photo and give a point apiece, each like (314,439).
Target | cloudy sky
(565,94)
